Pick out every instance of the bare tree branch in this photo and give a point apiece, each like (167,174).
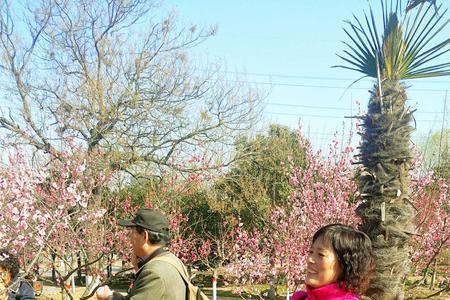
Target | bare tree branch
(137,100)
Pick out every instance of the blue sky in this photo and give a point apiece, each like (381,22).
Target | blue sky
(288,47)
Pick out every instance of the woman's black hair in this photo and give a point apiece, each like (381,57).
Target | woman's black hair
(162,238)
(9,262)
(353,249)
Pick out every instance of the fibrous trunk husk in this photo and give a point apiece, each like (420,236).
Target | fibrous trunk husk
(386,212)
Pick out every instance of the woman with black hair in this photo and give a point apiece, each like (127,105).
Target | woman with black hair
(9,274)
(339,265)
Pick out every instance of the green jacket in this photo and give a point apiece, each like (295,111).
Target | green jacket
(157,280)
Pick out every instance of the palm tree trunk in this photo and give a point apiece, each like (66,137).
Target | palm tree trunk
(386,211)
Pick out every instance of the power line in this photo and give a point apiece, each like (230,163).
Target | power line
(340,134)
(336,108)
(320,86)
(272,104)
(316,115)
(302,115)
(307,77)
(305,106)
(323,116)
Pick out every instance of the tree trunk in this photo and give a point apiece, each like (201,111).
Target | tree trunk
(386,211)
(53,267)
(79,271)
(109,269)
(433,276)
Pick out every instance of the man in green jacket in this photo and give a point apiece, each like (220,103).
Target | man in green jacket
(154,279)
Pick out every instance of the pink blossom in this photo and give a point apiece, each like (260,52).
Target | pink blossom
(321,196)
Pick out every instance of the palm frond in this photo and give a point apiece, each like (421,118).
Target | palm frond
(406,47)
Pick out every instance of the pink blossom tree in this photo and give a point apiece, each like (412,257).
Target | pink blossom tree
(187,246)
(324,193)
(66,212)
(52,212)
(432,225)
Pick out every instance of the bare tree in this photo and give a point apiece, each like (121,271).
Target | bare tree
(109,76)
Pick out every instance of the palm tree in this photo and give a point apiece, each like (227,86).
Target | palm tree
(404,49)
(414,3)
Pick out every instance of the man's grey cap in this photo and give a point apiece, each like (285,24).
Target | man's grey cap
(148,218)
